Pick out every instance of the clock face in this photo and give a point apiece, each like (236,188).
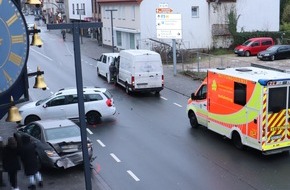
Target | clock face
(14,44)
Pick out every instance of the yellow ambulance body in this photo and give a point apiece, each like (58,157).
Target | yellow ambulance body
(249,105)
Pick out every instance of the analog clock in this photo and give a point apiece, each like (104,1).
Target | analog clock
(14,44)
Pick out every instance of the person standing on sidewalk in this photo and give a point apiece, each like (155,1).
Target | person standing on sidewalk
(30,163)
(11,163)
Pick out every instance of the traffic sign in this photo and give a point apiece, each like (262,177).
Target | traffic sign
(164,10)
(169,26)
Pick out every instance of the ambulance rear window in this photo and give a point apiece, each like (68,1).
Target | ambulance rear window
(277,99)
(240,93)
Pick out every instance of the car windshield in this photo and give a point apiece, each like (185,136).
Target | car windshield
(273,48)
(62,132)
(247,43)
(41,101)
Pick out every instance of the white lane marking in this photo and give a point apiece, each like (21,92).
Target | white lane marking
(101,143)
(89,131)
(115,157)
(163,98)
(133,175)
(41,54)
(178,105)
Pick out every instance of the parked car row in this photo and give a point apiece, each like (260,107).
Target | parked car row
(264,48)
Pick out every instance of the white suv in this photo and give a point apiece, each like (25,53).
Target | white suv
(64,104)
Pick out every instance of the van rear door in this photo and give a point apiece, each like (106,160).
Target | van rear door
(148,73)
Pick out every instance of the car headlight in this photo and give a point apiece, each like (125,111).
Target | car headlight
(241,49)
(51,153)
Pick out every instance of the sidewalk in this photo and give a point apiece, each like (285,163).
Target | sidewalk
(178,83)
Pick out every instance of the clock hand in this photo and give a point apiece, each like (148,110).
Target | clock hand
(1,41)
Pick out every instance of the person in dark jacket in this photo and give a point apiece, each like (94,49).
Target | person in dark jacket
(11,163)
(30,163)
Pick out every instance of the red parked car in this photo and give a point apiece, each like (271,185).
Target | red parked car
(253,46)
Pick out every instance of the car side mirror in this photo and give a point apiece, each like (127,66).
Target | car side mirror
(44,106)
(193,97)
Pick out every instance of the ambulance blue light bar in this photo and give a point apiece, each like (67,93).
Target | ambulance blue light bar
(267,82)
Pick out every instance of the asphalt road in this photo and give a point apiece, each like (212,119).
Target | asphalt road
(149,143)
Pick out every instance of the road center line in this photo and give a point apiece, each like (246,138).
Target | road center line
(163,98)
(41,54)
(177,105)
(115,157)
(101,143)
(89,131)
(133,175)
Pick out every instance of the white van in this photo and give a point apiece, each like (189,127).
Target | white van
(140,71)
(103,65)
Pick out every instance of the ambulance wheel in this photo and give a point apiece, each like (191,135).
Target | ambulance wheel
(192,120)
(236,138)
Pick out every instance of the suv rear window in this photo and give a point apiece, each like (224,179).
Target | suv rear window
(93,97)
(108,94)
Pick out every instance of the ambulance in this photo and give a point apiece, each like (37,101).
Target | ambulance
(249,105)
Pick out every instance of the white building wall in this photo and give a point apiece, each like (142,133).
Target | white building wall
(126,24)
(73,14)
(195,30)
(262,15)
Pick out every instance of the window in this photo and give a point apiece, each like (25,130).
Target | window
(56,101)
(71,99)
(73,9)
(132,41)
(194,11)
(201,94)
(277,99)
(119,38)
(93,97)
(78,10)
(83,11)
(133,12)
(240,93)
(268,42)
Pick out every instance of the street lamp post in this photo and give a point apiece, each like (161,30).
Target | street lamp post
(75,27)
(111,10)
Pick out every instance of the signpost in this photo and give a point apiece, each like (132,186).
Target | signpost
(168,26)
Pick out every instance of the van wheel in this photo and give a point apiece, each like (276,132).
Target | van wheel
(30,119)
(272,57)
(247,54)
(127,89)
(192,120)
(236,138)
(93,118)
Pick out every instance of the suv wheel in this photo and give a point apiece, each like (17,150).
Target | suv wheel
(93,118)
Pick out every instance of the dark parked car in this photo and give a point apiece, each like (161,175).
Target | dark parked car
(58,142)
(275,52)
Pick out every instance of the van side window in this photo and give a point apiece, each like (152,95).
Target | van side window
(201,94)
(255,44)
(266,42)
(93,97)
(240,93)
(60,100)
(104,59)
